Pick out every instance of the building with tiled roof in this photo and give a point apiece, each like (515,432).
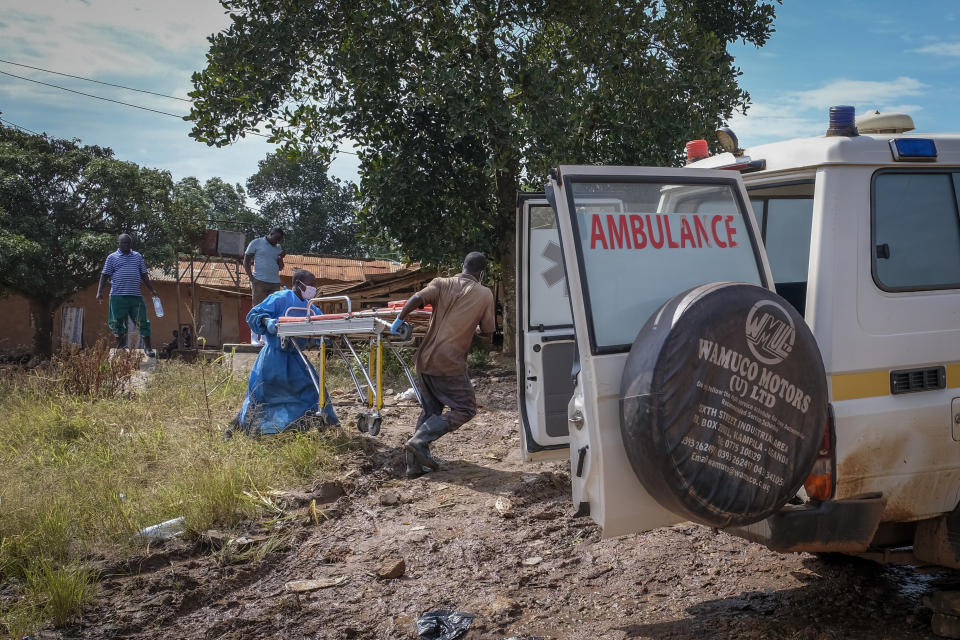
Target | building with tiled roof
(210,296)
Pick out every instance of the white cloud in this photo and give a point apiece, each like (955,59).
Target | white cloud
(769,122)
(140,43)
(795,114)
(901,108)
(109,36)
(945,49)
(857,92)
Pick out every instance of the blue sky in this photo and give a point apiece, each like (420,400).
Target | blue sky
(147,44)
(886,55)
(879,54)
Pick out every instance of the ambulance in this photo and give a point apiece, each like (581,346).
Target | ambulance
(765,341)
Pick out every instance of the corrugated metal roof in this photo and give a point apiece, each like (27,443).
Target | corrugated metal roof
(328,270)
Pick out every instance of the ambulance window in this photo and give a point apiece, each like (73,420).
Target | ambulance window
(665,239)
(785,224)
(916,231)
(549,299)
(759,213)
(787,238)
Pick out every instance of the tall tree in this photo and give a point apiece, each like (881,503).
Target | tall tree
(295,192)
(61,208)
(455,104)
(228,206)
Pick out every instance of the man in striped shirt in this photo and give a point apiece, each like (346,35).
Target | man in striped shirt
(126,269)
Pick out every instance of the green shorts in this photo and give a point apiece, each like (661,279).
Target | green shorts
(123,307)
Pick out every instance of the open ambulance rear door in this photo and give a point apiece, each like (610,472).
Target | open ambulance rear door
(668,419)
(546,349)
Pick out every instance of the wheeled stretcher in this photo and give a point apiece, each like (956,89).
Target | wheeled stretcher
(340,332)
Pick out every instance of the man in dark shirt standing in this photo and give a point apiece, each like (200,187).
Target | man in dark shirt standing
(459,304)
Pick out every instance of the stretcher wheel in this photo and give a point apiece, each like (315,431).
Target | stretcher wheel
(374,428)
(362,423)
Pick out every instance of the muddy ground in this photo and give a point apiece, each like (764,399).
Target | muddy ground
(529,569)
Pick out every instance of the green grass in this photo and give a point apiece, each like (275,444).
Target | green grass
(80,476)
(478,358)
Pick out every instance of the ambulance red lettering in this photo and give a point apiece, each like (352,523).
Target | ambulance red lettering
(731,231)
(636,227)
(670,241)
(716,237)
(686,233)
(596,233)
(702,236)
(636,231)
(656,244)
(617,226)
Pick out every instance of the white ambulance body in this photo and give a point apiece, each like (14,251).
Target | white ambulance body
(860,233)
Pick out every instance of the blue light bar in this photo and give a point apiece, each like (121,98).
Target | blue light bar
(913,149)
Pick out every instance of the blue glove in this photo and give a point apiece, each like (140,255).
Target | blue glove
(395,327)
(271,326)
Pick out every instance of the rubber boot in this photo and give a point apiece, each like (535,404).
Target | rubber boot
(147,349)
(414,468)
(122,341)
(419,444)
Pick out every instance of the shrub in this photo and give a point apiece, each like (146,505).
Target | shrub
(94,372)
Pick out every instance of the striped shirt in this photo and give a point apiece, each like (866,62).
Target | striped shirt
(125,270)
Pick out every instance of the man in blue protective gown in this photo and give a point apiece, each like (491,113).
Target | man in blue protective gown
(281,391)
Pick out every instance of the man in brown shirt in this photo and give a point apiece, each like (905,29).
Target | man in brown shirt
(459,304)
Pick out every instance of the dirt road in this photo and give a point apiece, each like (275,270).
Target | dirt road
(526,569)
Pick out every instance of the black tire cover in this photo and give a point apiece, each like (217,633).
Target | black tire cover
(723,404)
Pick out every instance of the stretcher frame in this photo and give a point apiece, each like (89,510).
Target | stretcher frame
(338,333)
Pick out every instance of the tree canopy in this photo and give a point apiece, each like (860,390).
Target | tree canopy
(62,206)
(455,104)
(316,211)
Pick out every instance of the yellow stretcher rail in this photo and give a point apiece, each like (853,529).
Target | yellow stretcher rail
(340,331)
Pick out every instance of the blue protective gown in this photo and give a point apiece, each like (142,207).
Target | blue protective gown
(280,390)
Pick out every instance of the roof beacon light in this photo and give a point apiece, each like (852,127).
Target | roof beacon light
(913,149)
(697,150)
(728,141)
(842,122)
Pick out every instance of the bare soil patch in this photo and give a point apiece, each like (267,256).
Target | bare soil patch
(490,536)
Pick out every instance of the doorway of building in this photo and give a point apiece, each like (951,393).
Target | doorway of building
(209,326)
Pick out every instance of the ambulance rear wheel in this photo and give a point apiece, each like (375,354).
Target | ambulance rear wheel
(723,404)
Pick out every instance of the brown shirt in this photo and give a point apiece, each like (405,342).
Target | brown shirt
(459,304)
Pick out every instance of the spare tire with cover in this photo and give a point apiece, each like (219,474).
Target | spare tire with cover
(723,404)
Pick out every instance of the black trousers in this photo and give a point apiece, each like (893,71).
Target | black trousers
(455,392)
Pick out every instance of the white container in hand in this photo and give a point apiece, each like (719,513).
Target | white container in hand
(157,306)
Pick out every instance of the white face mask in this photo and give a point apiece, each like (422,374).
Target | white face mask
(308,292)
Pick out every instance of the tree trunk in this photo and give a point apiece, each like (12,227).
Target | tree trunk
(507,185)
(508,285)
(507,176)
(42,311)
